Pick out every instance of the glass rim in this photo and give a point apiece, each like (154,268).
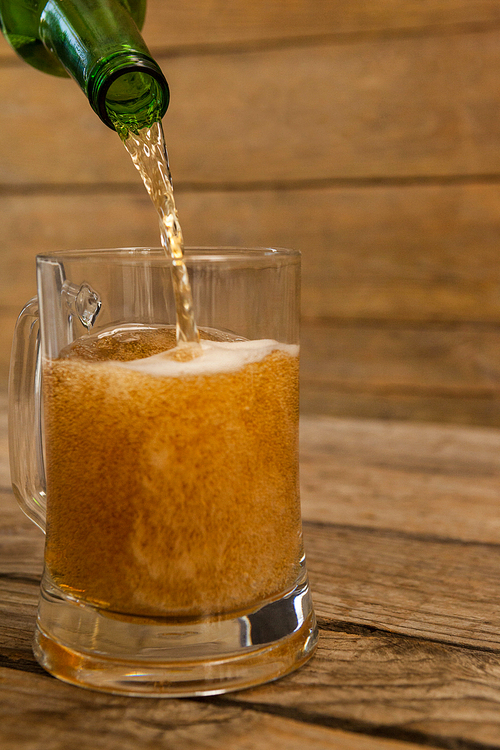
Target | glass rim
(138,255)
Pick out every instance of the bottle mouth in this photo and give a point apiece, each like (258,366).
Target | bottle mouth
(128,91)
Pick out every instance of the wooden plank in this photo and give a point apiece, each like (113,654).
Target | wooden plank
(469,402)
(421,587)
(399,360)
(22,543)
(51,134)
(362,679)
(208,21)
(17,621)
(377,369)
(386,108)
(325,399)
(411,689)
(40,712)
(414,252)
(417,253)
(390,475)
(366,688)
(360,470)
(447,375)
(402,477)
(172,27)
(32,225)
(385,474)
(416,585)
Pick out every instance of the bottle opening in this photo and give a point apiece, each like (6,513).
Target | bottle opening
(129,92)
(134,101)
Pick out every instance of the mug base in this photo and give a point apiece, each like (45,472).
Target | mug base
(159,657)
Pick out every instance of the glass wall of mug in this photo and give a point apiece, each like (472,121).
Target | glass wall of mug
(165,476)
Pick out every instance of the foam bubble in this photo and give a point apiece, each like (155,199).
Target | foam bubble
(215,357)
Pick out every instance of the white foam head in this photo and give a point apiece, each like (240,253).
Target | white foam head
(216,357)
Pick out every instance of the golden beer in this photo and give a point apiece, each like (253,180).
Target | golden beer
(172,478)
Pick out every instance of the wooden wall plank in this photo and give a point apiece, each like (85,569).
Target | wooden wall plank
(170,26)
(462,361)
(390,252)
(474,399)
(418,253)
(389,377)
(387,108)
(35,224)
(428,371)
(365,404)
(399,363)
(51,135)
(215,21)
(448,374)
(384,109)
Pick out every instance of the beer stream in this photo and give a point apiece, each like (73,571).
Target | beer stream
(149,155)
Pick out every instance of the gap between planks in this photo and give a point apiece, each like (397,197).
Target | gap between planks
(243,186)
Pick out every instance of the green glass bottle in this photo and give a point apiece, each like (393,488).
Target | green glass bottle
(99,44)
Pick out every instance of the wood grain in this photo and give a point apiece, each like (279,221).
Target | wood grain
(364,134)
(441,373)
(402,527)
(366,683)
(406,594)
(407,253)
(444,374)
(426,368)
(368,404)
(413,585)
(384,109)
(462,360)
(208,22)
(61,716)
(401,477)
(405,688)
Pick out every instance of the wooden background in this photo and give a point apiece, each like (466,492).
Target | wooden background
(365,133)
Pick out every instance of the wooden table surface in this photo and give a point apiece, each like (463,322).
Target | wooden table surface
(402,531)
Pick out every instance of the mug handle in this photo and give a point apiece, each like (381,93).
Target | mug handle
(25,425)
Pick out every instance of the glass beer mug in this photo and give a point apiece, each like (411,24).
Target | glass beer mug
(165,477)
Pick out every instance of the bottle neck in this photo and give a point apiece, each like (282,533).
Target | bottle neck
(100,46)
